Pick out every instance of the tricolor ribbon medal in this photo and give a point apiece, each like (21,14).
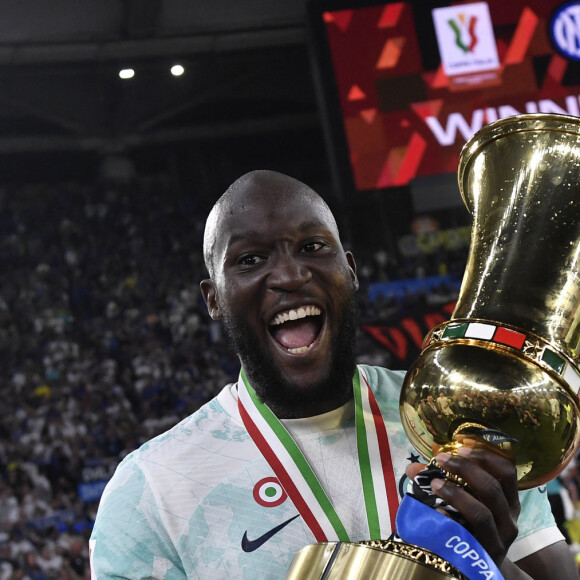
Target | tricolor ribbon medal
(299,480)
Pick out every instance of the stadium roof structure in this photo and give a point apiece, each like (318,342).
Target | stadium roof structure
(246,67)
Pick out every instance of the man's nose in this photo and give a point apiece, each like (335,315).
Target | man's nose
(288,273)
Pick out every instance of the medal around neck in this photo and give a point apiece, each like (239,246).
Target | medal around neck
(504,368)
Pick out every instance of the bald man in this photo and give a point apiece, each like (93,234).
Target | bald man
(272,464)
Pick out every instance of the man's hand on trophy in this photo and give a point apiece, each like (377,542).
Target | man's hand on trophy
(490,506)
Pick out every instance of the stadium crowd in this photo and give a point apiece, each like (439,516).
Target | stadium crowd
(104,343)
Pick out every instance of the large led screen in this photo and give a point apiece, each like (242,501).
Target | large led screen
(405,84)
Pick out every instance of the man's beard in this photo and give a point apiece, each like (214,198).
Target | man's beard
(285,398)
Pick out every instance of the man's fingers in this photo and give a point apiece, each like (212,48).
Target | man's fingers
(490,464)
(491,506)
(477,517)
(490,503)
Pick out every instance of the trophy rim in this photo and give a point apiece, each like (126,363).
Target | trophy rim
(382,558)
(525,122)
(415,554)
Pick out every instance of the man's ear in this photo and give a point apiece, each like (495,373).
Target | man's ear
(210,298)
(352,265)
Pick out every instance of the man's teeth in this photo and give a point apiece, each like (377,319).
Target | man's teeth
(301,312)
(299,350)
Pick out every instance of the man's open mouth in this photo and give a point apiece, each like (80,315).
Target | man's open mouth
(296,330)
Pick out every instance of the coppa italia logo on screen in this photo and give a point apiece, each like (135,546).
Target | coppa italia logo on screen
(465,38)
(565,30)
(459,27)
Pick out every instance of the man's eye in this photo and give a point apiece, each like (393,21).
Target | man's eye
(312,246)
(250,260)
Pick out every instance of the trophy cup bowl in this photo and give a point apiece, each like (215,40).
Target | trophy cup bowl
(505,364)
(503,369)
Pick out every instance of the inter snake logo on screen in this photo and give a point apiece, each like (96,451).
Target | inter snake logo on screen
(565,30)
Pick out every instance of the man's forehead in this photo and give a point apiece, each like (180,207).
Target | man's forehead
(279,224)
(275,197)
(255,210)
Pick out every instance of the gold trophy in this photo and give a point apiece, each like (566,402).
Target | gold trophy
(505,366)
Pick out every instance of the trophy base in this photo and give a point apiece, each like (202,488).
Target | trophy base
(373,559)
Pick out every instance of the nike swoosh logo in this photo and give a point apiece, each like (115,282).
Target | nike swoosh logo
(251,545)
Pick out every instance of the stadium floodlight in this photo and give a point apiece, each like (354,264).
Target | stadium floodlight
(126,73)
